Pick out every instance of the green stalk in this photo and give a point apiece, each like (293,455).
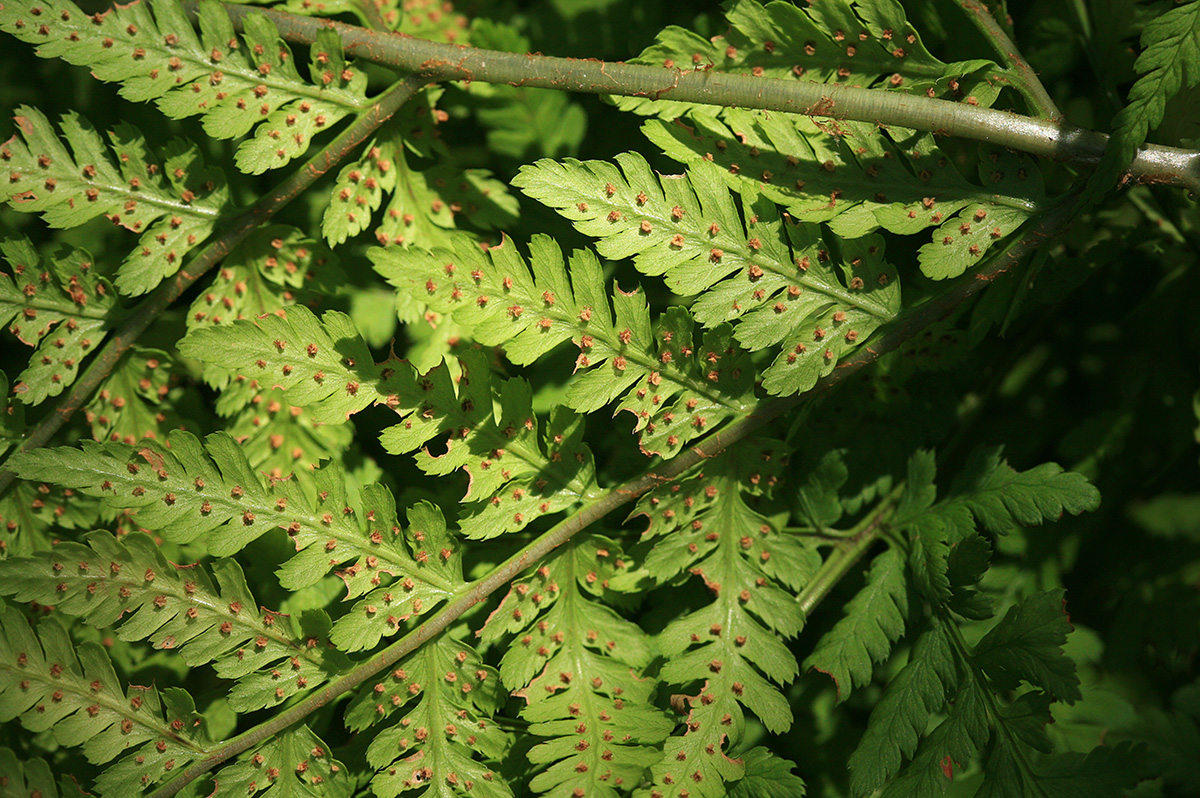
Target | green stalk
(438,62)
(1029,86)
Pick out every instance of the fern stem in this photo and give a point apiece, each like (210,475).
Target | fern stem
(435,61)
(1029,86)
(257,214)
(847,552)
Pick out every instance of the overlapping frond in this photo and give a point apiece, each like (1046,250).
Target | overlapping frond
(434,731)
(205,618)
(580,668)
(677,387)
(235,83)
(187,490)
(859,178)
(517,474)
(778,283)
(50,683)
(61,307)
(729,651)
(165,194)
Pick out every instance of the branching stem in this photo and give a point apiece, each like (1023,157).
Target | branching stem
(162,297)
(442,62)
(1029,86)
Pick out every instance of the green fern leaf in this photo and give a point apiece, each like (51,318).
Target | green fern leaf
(185,490)
(874,621)
(173,201)
(63,296)
(952,745)
(917,693)
(767,776)
(51,683)
(445,735)
(1170,61)
(516,474)
(177,609)
(326,364)
(12,416)
(868,44)
(279,439)
(571,659)
(859,178)
(33,516)
(675,390)
(419,207)
(131,403)
(777,283)
(704,525)
(152,49)
(1026,645)
(323,364)
(31,777)
(295,763)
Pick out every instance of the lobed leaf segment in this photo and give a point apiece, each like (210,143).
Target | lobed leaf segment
(434,718)
(188,491)
(777,282)
(206,619)
(581,669)
(62,307)
(677,388)
(50,682)
(235,85)
(730,650)
(516,475)
(170,198)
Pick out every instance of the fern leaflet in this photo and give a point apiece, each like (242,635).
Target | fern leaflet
(570,660)
(151,48)
(445,697)
(775,281)
(174,202)
(675,389)
(50,682)
(61,307)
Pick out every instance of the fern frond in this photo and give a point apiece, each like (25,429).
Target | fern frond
(776,282)
(280,439)
(1170,62)
(874,621)
(868,44)
(12,417)
(62,296)
(323,364)
(419,207)
(326,364)
(105,579)
(293,763)
(578,666)
(131,403)
(52,684)
(31,777)
(517,472)
(186,490)
(170,198)
(898,721)
(859,178)
(677,390)
(446,697)
(151,48)
(33,516)
(705,526)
